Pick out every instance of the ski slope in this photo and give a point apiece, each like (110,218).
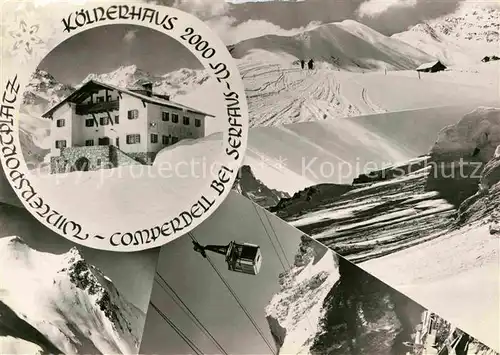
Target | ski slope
(280,92)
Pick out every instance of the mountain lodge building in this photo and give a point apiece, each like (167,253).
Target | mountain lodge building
(431,67)
(103,125)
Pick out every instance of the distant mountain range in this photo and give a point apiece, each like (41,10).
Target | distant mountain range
(44,90)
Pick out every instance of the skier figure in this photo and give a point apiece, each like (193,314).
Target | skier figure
(310,64)
(302,63)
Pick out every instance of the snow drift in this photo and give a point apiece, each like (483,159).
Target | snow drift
(461,152)
(71,303)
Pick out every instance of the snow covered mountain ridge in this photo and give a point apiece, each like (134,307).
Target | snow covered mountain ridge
(473,21)
(346,45)
(463,37)
(44,90)
(70,302)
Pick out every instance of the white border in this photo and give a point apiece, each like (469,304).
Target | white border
(93,238)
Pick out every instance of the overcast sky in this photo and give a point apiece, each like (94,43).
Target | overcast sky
(191,276)
(243,19)
(104,49)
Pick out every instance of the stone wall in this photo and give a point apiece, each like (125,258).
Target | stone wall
(92,158)
(75,158)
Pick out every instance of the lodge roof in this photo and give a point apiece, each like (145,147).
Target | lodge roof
(150,99)
(429,65)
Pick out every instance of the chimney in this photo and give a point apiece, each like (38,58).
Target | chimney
(148,87)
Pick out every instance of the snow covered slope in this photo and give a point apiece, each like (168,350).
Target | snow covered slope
(279,92)
(348,45)
(134,196)
(461,38)
(74,306)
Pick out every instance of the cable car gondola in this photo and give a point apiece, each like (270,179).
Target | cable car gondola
(240,257)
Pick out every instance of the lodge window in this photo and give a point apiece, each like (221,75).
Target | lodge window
(185,120)
(60,144)
(104,121)
(89,122)
(99,162)
(133,114)
(175,118)
(197,122)
(100,99)
(164,140)
(60,123)
(154,138)
(117,119)
(133,138)
(118,142)
(89,142)
(103,141)
(175,140)
(165,116)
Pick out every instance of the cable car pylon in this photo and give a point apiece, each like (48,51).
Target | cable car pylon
(220,250)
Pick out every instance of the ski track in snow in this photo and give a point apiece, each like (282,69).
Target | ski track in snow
(280,95)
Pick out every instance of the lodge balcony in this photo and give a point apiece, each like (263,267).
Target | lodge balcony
(98,107)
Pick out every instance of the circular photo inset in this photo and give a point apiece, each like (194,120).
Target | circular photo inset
(129,140)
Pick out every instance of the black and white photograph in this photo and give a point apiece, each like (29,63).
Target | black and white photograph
(414,192)
(245,282)
(115,118)
(365,219)
(57,297)
(375,131)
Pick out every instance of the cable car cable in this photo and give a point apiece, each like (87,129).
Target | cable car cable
(282,249)
(191,315)
(186,339)
(277,239)
(269,236)
(249,316)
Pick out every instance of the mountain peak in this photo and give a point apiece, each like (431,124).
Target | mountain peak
(251,187)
